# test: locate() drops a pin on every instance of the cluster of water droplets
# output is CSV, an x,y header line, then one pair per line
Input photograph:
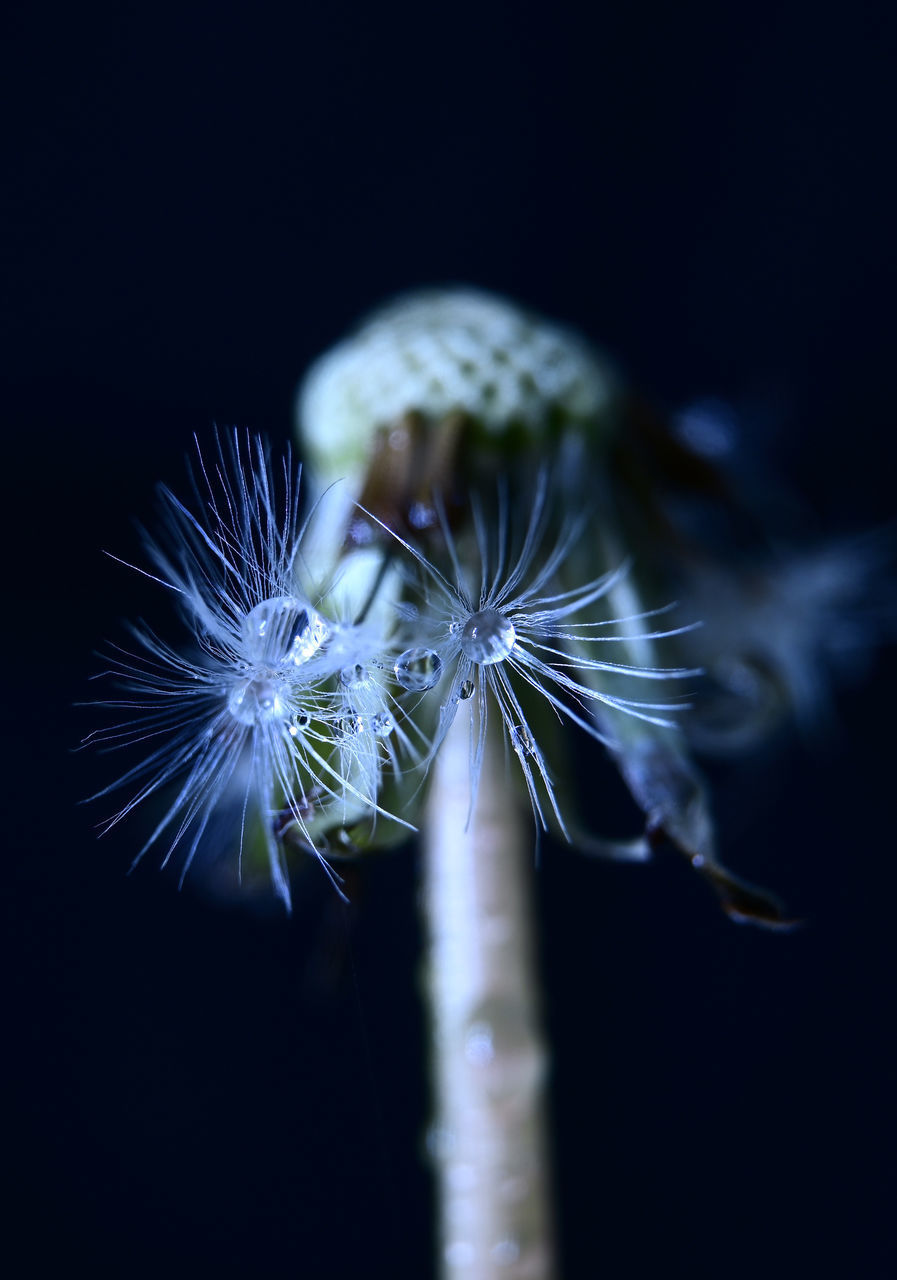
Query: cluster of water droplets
x,y
320,681
363,706
278,636
296,668
485,637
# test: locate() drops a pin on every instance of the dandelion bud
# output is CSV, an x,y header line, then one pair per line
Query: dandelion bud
x,y
445,352
435,392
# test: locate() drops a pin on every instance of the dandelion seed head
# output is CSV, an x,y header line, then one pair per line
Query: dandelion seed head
x,y
296,700
266,700
512,637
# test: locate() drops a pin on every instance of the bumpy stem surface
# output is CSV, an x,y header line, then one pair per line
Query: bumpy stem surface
x,y
489,1138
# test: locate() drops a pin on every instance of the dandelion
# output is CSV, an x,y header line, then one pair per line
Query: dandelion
x,y
518,612
253,720
325,667
500,629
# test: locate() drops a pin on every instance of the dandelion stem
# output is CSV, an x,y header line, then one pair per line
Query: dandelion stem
x,y
489,1138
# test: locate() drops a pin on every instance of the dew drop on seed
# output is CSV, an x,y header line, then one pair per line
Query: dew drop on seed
x,y
383,724
255,701
284,629
352,675
298,721
466,690
488,636
522,742
350,723
418,669
311,631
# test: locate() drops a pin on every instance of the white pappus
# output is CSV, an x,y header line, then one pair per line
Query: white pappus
x,y
252,716
500,628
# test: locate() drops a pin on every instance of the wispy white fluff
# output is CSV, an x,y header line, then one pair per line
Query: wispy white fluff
x,y
502,626
251,715
284,709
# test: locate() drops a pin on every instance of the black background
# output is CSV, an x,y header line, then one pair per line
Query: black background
x,y
199,204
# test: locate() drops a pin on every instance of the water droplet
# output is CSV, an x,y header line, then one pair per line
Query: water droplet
x,y
466,690
350,723
352,675
499,1040
522,741
418,669
310,634
488,636
383,724
298,721
284,629
257,700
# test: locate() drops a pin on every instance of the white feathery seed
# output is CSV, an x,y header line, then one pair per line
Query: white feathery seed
x,y
488,631
252,716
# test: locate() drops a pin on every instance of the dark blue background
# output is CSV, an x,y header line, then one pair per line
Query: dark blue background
x,y
197,205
